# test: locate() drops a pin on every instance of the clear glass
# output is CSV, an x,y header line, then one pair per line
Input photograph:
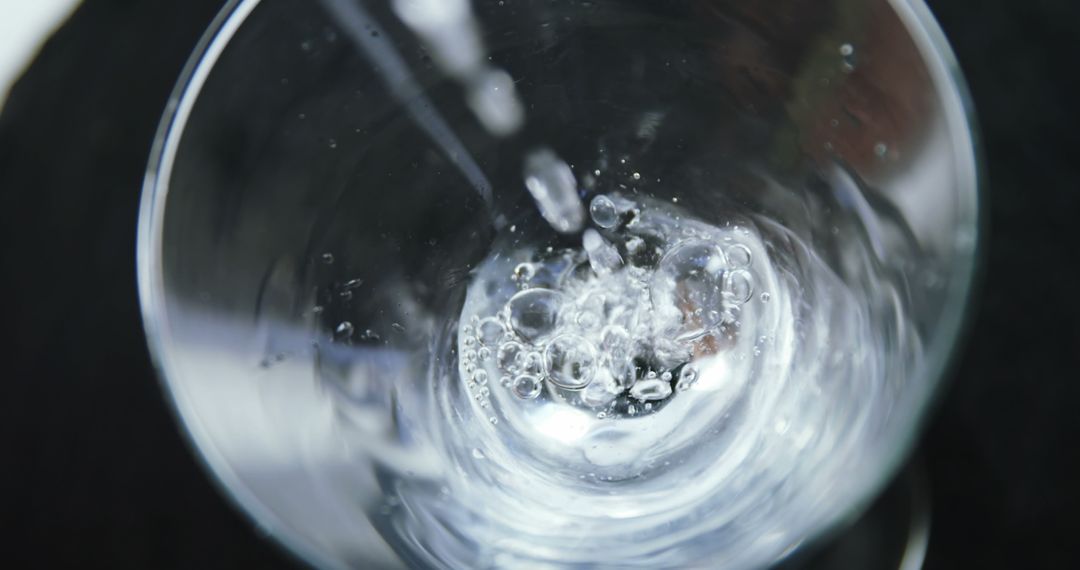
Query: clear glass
x,y
325,212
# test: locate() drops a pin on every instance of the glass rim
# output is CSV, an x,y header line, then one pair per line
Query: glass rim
x,y
957,110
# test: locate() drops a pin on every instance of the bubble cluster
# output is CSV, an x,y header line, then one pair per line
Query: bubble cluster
x,y
615,324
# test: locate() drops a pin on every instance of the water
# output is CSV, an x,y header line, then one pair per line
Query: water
x,y
657,392
654,389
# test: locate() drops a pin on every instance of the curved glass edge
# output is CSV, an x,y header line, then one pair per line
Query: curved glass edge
x,y
946,73
150,281
962,124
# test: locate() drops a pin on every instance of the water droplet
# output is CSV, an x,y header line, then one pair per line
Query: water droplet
x,y
469,341
491,331
527,387
533,313
344,331
739,284
552,185
492,97
493,420
666,376
765,296
603,212
480,377
327,258
637,176
604,258
881,150
739,256
570,361
847,54
398,327
484,353
469,355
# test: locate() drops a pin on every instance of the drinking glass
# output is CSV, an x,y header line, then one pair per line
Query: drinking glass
x,y
324,199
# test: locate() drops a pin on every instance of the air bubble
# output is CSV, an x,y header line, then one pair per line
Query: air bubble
x,y
689,277
510,356
739,284
491,331
533,363
650,390
480,377
765,296
603,212
739,256
533,313
527,387
687,377
523,273
570,361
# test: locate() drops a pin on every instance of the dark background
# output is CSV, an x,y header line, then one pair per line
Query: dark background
x,y
95,472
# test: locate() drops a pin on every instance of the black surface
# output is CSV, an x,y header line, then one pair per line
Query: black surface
x,y
95,472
